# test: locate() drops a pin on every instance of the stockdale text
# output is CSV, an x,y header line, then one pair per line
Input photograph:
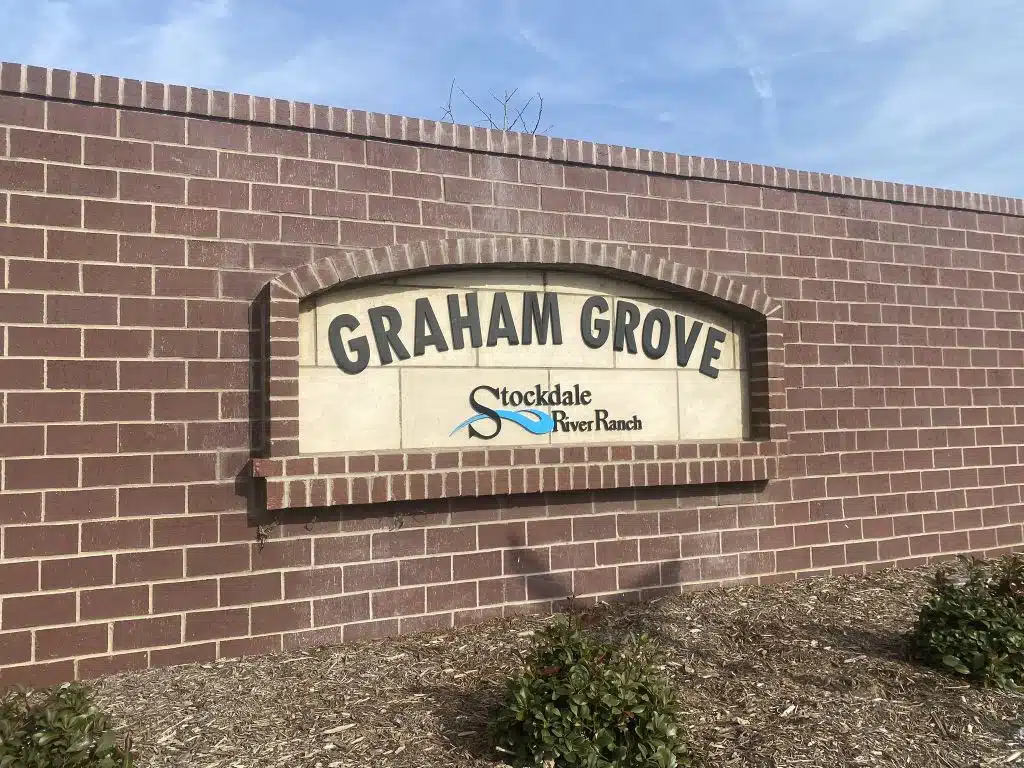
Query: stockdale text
x,y
534,420
539,321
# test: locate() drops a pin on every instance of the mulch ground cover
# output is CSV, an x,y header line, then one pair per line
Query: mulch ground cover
x,y
812,674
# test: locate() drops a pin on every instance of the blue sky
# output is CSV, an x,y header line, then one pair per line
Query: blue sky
x,y
917,91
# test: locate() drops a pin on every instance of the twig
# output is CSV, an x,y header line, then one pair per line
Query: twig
x,y
512,117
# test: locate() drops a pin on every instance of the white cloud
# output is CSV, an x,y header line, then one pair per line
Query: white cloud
x,y
57,32
188,41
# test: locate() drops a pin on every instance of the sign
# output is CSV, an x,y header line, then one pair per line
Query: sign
x,y
511,357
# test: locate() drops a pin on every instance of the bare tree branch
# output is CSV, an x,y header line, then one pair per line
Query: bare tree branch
x,y
511,115
446,109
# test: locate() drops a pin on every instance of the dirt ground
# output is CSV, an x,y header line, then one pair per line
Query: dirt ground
x,y
811,674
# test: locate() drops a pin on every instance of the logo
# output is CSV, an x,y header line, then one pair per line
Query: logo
x,y
505,407
533,420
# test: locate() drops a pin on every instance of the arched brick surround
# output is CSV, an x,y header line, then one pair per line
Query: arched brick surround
x,y
294,480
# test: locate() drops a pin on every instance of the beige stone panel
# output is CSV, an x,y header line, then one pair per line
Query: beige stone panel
x,y
712,409
340,413
307,333
726,361
589,284
358,301
649,395
571,353
436,400
482,278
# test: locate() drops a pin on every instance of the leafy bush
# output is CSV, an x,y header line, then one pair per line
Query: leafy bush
x,y
974,625
57,729
581,701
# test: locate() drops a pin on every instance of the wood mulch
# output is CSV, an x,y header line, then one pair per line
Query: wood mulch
x,y
811,674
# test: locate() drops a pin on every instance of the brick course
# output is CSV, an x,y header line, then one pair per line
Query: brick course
x,y
141,224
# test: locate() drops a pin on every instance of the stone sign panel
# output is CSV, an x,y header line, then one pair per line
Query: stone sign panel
x,y
491,357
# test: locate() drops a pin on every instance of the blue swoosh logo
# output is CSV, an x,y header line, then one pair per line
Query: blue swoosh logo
x,y
536,423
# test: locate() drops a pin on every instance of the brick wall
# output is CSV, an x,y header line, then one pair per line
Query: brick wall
x,y
138,223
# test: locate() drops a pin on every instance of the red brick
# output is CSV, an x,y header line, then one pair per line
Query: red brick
x,y
210,193
20,110
40,540
167,313
84,182
113,153
388,155
118,217
281,617
145,633
549,531
115,534
229,558
426,570
222,135
341,549
22,441
248,167
71,641
183,531
19,577
152,127
22,242
46,211
41,145
151,188
340,149
81,438
398,602
15,647
157,500
113,602
37,675
117,343
101,666
398,544
81,118
359,179
39,341
307,173
184,595
138,249
187,344
158,565
209,625
341,610
283,199
370,576
254,588
114,470
77,572
191,222
450,539
28,474
117,406
151,374
279,141
188,161
38,610
446,597
198,653
621,551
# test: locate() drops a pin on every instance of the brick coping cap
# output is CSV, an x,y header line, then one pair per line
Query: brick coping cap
x,y
22,79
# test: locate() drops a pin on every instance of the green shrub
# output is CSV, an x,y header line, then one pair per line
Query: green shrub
x,y
974,625
58,728
581,701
